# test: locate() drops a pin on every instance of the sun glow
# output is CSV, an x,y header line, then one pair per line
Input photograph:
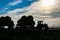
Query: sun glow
x,y
47,6
47,3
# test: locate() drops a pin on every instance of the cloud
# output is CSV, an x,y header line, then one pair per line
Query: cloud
x,y
55,14
14,3
49,15
13,13
29,0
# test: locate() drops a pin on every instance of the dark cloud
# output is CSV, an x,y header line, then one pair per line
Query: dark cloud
x,y
55,14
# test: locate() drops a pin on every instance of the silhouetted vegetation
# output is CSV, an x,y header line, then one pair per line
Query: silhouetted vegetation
x,y
26,22
22,22
41,26
6,21
25,30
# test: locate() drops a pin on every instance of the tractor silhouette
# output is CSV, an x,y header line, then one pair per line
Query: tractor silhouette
x,y
41,26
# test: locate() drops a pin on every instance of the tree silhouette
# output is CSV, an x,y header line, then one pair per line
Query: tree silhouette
x,y
6,21
22,22
40,25
25,22
46,26
2,22
30,21
9,22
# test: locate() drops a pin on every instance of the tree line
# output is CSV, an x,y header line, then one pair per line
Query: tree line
x,y
25,22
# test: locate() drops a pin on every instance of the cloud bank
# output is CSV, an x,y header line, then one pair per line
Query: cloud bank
x,y
14,3
50,15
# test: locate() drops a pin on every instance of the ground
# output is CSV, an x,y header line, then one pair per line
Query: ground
x,y
30,35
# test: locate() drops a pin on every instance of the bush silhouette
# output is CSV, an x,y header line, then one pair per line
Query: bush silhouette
x,y
30,21
9,22
2,22
24,22
40,25
6,21
46,26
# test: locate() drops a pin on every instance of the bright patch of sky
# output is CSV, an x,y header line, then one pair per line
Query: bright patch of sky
x,y
17,8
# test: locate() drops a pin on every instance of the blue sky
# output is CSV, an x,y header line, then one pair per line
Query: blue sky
x,y
6,5
17,8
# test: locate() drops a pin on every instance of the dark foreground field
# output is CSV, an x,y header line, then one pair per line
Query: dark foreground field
x,y
30,35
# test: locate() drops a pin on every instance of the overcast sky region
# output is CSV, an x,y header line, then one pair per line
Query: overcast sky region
x,y
46,10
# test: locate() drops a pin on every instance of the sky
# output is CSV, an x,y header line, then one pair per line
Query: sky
x,y
46,10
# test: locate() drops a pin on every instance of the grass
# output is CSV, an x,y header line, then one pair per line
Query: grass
x,y
30,35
